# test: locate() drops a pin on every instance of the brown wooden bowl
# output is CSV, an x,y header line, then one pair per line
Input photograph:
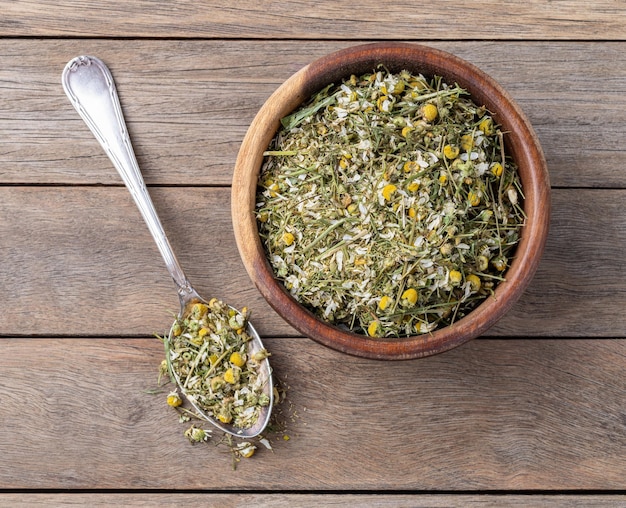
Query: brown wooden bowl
x,y
522,145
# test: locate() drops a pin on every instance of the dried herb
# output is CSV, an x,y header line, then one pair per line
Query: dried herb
x,y
388,204
208,350
238,449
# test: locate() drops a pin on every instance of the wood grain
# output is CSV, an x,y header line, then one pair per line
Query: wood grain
x,y
76,251
325,19
187,124
531,414
433,500
71,250
493,414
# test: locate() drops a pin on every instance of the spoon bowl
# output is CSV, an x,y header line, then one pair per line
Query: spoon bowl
x,y
90,87
187,301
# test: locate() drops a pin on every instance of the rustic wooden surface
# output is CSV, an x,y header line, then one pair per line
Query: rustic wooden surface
x,y
533,413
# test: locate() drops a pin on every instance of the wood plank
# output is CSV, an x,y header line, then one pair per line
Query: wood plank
x,y
75,251
493,414
187,125
325,19
577,291
312,500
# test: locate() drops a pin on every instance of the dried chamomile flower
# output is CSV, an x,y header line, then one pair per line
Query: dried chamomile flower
x,y
196,434
387,204
209,353
174,399
245,449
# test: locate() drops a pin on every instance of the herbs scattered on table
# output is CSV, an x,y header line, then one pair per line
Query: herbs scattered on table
x,y
388,204
201,432
208,351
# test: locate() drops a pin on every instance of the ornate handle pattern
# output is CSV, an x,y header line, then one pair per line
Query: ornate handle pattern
x,y
90,87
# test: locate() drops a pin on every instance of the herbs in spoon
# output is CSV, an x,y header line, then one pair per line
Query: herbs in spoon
x,y
388,204
208,351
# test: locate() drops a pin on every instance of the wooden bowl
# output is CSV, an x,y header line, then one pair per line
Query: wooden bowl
x,y
522,145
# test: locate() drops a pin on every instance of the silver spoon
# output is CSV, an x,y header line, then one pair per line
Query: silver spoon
x,y
90,87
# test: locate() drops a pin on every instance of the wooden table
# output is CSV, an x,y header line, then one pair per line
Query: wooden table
x,y
533,413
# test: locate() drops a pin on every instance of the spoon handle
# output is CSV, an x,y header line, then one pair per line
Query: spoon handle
x,y
90,87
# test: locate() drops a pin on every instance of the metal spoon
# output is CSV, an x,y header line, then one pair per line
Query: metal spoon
x,y
90,87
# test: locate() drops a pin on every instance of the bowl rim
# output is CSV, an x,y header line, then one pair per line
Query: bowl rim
x,y
522,144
